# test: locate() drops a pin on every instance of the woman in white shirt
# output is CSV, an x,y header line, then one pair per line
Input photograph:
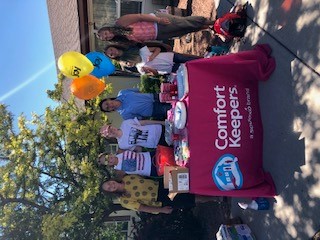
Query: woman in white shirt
x,y
134,134
148,60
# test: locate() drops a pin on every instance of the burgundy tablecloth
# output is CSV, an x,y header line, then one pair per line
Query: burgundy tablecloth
x,y
224,124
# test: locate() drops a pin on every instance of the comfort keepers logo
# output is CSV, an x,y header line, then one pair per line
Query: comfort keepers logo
x,y
226,173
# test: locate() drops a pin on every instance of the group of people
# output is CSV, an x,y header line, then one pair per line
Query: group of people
x,y
141,188
135,40
131,40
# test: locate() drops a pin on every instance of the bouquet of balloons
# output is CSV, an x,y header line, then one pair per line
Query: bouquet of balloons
x,y
85,70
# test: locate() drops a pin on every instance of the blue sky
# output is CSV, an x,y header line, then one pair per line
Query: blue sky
x,y
27,60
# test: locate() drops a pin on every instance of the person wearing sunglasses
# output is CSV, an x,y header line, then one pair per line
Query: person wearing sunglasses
x,y
130,162
135,134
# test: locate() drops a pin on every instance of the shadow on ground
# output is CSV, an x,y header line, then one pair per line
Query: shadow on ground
x,y
290,112
290,121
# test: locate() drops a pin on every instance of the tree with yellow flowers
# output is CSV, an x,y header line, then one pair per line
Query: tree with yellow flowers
x,y
49,184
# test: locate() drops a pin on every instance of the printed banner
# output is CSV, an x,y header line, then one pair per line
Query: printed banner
x,y
224,124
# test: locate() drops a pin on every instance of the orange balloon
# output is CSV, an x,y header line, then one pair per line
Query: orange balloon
x,y
87,87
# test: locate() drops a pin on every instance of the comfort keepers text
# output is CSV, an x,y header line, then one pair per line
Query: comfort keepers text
x,y
227,137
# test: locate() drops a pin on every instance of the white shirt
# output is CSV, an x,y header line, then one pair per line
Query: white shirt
x,y
133,134
163,63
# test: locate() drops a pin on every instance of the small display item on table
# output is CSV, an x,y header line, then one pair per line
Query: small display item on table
x,y
175,87
171,78
181,152
175,130
167,97
168,88
182,81
180,115
164,157
181,148
168,92
168,134
178,138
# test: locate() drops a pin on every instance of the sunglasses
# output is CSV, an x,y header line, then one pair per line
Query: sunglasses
x,y
105,160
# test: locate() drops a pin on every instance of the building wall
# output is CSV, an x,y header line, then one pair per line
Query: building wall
x,y
64,26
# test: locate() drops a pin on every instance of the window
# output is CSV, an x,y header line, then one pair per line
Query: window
x,y
113,148
121,225
129,6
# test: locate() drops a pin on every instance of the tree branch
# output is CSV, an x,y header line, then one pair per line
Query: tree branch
x,y
5,201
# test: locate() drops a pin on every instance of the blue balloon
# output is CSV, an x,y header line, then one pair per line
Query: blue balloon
x,y
102,64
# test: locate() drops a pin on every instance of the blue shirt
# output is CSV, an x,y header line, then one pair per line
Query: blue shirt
x,y
135,104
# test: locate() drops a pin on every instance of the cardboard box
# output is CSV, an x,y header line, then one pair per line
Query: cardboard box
x,y
167,175
179,180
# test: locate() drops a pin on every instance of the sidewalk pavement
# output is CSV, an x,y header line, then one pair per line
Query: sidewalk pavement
x,y
290,108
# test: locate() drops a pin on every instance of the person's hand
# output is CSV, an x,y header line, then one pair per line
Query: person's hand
x,y
164,21
149,70
166,210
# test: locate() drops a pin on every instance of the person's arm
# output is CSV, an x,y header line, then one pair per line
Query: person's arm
x,y
120,150
155,52
148,209
137,149
128,19
163,46
150,122
150,71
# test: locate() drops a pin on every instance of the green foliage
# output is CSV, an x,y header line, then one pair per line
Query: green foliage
x,y
116,64
49,185
150,84
57,93
112,232
55,224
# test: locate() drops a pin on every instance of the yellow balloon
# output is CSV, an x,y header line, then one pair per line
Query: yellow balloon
x,y
74,65
87,87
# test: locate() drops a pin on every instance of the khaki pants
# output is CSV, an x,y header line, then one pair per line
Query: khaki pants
x,y
179,26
